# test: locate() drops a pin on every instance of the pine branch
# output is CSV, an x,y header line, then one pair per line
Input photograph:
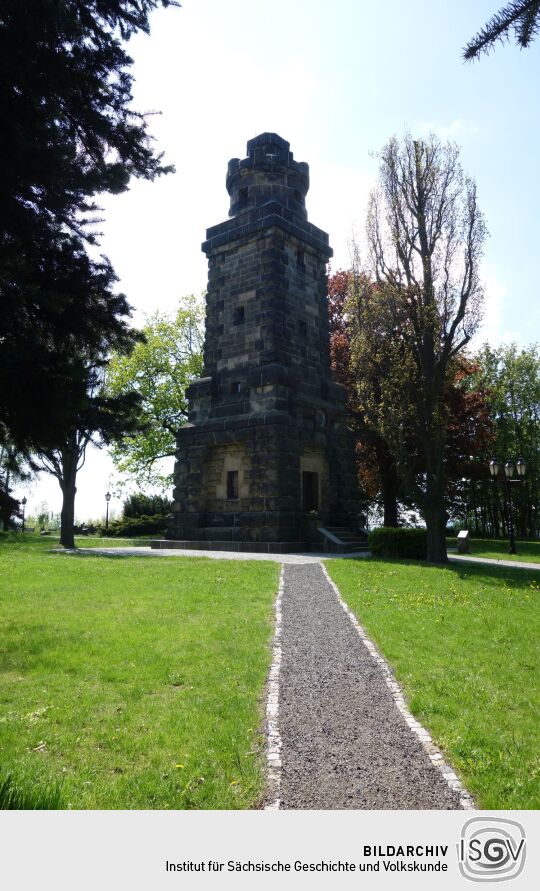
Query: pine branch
x,y
523,16
529,25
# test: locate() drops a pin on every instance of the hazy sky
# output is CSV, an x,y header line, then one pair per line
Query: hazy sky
x,y
335,80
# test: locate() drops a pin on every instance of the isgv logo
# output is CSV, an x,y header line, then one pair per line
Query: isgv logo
x,y
491,849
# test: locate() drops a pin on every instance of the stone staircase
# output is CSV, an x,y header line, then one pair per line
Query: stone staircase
x,y
343,540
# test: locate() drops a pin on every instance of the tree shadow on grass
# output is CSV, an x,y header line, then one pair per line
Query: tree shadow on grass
x,y
96,552
487,573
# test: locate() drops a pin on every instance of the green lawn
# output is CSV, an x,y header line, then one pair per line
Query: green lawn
x,y
94,541
464,642
497,549
133,682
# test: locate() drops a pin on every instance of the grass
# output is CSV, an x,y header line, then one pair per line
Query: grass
x,y
90,541
14,797
497,549
98,541
464,642
132,682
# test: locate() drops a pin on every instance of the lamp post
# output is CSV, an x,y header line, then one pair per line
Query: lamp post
x,y
107,499
24,502
507,481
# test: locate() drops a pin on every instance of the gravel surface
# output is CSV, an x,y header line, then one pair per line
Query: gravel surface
x,y
511,564
214,555
344,742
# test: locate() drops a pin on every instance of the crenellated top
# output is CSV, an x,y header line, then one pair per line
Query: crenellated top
x,y
269,173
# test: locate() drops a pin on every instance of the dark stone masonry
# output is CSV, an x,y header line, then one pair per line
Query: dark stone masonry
x,y
266,456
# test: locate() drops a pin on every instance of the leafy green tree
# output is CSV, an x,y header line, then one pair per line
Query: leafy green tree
x,y
88,414
13,469
101,420
362,360
425,234
511,378
159,371
140,505
43,516
69,133
9,508
348,291
520,16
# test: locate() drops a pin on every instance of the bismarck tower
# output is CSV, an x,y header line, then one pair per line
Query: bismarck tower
x,y
266,457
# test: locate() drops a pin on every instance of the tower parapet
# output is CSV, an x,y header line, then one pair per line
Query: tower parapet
x,y
268,173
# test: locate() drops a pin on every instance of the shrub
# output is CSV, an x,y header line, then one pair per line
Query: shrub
x,y
133,527
389,542
140,505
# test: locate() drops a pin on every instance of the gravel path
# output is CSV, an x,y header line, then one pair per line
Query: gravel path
x,y
511,564
344,742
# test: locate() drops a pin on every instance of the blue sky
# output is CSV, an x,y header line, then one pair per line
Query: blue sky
x,y
336,80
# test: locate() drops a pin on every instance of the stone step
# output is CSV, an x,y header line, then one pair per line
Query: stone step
x,y
345,534
348,540
251,547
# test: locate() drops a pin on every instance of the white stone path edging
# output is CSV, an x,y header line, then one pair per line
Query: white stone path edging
x,y
435,755
273,779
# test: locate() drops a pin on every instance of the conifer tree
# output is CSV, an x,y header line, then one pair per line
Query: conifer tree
x,y
68,134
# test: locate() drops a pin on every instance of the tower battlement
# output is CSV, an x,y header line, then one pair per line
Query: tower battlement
x,y
268,173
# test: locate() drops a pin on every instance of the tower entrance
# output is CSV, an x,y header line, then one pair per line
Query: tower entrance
x,y
310,490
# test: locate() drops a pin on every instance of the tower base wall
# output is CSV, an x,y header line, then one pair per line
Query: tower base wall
x,y
272,456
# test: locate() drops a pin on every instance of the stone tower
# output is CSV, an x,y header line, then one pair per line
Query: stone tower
x,y
266,457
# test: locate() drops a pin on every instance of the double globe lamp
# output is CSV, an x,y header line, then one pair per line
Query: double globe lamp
x,y
520,468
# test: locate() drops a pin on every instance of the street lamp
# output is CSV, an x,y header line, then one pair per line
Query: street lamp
x,y
24,502
107,499
507,481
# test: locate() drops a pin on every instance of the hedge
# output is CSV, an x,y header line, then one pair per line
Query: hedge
x,y
386,541
141,505
133,527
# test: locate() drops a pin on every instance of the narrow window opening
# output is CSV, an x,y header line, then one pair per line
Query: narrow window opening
x,y
310,490
238,315
235,387
302,328
242,196
232,484
300,259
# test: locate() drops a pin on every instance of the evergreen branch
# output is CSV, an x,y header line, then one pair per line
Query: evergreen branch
x,y
521,15
529,25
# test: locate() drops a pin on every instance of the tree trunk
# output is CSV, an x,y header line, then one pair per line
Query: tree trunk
x,y
434,511
69,489
6,514
389,485
435,517
390,504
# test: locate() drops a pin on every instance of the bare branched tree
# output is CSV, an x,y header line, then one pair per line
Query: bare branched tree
x,y
425,234
520,16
